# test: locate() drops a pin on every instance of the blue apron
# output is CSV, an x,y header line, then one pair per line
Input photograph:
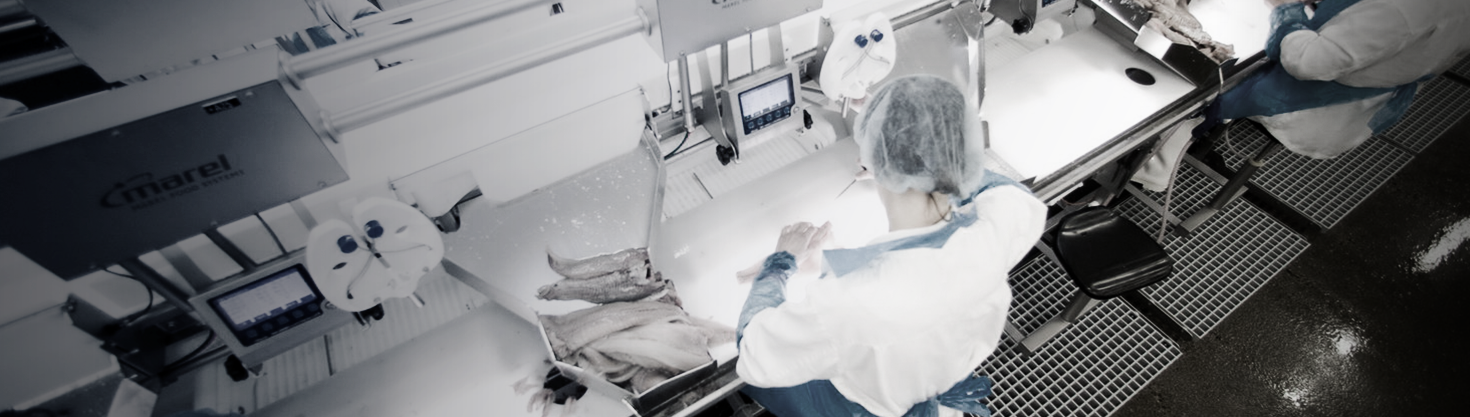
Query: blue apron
x,y
1272,90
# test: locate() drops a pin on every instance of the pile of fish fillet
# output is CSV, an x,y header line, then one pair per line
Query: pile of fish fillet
x,y
1173,19
639,335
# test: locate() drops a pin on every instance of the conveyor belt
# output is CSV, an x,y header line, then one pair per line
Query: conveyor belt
x,y
1223,262
1091,369
1324,190
1439,104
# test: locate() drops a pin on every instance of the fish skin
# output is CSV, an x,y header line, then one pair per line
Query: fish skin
x,y
572,331
647,378
629,285
598,265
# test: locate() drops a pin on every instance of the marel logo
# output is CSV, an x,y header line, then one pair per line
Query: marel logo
x,y
144,190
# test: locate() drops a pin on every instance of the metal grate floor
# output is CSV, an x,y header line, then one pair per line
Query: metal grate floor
x,y
1223,262
1091,369
1438,105
1463,68
1323,190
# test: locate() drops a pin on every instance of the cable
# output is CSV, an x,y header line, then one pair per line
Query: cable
x,y
207,341
268,229
680,146
135,316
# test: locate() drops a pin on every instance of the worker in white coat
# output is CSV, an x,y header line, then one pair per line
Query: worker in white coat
x,y
1345,73
898,327
1349,71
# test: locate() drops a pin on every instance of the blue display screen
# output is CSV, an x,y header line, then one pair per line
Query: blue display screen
x,y
268,306
766,104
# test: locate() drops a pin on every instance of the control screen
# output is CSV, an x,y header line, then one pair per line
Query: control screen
x,y
766,104
268,306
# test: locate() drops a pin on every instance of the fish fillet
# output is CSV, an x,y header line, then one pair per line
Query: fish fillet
x,y
572,331
599,265
627,285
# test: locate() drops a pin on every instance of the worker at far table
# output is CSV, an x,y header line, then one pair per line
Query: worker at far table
x,y
1349,71
898,327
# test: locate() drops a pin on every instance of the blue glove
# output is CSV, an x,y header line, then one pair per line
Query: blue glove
x,y
768,290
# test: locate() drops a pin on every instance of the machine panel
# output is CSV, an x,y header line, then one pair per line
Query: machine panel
x,y
92,201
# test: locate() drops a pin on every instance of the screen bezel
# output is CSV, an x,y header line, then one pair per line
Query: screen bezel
x,y
790,93
214,302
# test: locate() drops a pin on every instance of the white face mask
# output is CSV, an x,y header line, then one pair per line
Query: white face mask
x,y
861,54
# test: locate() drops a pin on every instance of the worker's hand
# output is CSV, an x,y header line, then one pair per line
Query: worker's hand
x,y
803,241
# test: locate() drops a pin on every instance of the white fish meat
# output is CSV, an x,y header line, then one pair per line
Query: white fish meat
x,y
599,265
672,346
572,331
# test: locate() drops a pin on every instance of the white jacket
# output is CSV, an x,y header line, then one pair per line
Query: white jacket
x,y
909,325
1377,44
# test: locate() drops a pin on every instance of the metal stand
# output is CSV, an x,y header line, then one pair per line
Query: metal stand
x,y
1232,189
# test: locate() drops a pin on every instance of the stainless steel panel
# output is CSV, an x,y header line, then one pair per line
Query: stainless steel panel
x,y
124,38
114,194
688,26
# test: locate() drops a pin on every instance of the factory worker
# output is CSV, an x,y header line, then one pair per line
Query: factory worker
x,y
1336,78
898,327
1347,72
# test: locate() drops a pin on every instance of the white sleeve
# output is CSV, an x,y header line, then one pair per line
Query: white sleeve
x,y
785,346
1362,35
1013,217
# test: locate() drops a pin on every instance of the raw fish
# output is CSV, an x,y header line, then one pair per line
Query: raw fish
x,y
625,285
599,265
572,331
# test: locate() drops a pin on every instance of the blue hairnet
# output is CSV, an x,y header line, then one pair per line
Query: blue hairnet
x,y
918,134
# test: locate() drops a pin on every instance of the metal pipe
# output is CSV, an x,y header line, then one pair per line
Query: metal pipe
x,y
146,275
360,116
684,94
325,60
14,26
37,65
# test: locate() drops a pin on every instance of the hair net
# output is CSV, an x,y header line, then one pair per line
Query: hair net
x,y
918,134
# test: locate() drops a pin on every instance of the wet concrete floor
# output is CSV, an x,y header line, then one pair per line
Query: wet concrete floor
x,y
1360,324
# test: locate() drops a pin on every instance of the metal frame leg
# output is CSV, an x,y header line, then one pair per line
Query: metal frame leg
x,y
1080,304
1230,191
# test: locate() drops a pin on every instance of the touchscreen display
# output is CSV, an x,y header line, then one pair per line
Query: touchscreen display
x,y
766,98
265,299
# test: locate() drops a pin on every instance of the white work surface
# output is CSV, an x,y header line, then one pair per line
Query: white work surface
x,y
1052,106
1056,104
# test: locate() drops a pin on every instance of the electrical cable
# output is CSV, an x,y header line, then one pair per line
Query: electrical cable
x,y
135,316
207,341
272,231
677,148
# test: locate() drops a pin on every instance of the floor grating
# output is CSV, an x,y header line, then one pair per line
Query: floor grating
x,y
1091,369
1463,68
1223,262
1323,190
1438,105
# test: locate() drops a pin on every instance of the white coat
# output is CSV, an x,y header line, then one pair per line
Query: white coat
x,y
1376,44
907,326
